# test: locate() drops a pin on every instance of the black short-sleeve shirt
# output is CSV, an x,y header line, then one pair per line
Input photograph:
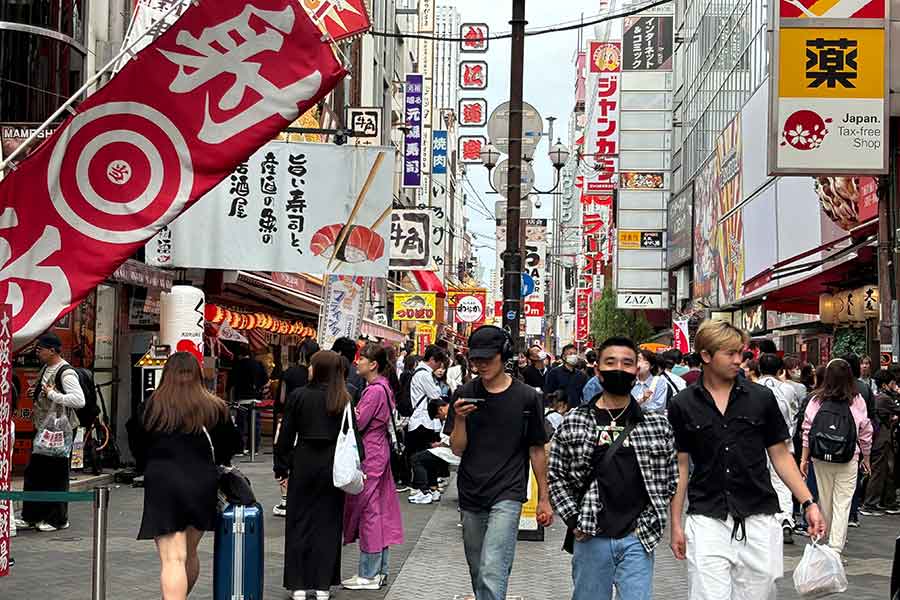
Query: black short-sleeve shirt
x,y
731,474
500,433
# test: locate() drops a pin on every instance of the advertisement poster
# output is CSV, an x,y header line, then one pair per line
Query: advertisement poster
x,y
535,264
848,201
412,145
410,239
706,223
837,9
680,225
415,306
680,335
730,245
279,211
647,44
343,301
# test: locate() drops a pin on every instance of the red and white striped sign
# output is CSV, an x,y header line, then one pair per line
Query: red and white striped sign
x,y
217,85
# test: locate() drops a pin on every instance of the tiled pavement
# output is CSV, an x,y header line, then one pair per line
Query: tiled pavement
x,y
430,565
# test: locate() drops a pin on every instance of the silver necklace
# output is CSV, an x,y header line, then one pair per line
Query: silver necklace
x,y
612,418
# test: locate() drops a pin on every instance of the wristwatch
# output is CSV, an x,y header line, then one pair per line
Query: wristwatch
x,y
807,504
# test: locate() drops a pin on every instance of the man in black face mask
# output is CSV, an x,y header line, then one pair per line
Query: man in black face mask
x,y
613,470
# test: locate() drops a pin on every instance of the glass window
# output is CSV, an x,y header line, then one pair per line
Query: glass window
x,y
64,16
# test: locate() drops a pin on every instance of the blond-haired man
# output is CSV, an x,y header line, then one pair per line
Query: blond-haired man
x,y
726,426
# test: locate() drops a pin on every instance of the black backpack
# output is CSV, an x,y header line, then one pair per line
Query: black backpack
x,y
405,407
833,437
91,408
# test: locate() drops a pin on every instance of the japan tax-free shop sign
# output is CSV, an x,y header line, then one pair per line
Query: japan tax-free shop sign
x,y
829,109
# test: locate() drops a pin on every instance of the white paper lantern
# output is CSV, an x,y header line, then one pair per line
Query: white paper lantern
x,y
827,309
181,320
870,301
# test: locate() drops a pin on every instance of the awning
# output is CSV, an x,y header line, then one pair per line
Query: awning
x,y
269,296
136,273
382,331
428,281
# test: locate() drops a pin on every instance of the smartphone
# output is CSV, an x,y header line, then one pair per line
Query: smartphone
x,y
472,401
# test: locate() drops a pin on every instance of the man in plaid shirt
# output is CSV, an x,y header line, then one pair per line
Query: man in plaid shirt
x,y
620,518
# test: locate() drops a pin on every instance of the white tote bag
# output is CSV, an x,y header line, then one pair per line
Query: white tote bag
x,y
347,472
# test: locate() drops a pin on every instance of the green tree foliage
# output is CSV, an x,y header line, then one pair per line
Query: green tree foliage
x,y
607,320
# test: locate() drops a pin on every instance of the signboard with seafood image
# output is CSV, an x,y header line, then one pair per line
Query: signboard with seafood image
x,y
281,211
417,306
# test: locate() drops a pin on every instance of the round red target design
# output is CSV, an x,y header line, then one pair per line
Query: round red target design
x,y
119,172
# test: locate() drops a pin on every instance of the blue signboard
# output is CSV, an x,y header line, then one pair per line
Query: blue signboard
x,y
439,153
527,285
412,149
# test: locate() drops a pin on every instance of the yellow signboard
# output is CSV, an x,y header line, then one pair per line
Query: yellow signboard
x,y
629,240
417,306
831,63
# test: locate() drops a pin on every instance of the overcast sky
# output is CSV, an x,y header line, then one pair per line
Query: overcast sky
x,y
549,86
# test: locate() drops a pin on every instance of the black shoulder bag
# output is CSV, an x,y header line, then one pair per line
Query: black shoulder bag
x,y
596,468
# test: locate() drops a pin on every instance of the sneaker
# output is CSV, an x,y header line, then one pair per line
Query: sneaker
x,y
47,527
420,498
20,524
871,511
280,510
892,510
382,580
788,534
298,595
13,533
361,583
403,488
853,523
435,495
320,595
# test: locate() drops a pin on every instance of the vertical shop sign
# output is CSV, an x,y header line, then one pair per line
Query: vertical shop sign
x,y
680,339
439,153
829,112
469,148
365,123
647,44
472,112
536,258
602,139
342,308
475,37
6,437
426,68
473,75
412,146
582,314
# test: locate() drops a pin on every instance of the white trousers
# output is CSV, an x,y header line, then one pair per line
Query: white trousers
x,y
837,484
722,568
785,497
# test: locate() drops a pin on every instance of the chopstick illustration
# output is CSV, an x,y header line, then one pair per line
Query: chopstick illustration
x,y
342,237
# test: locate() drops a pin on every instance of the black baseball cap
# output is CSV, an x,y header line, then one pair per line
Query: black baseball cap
x,y
486,342
50,341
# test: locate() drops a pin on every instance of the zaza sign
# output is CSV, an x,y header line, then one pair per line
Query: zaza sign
x,y
639,300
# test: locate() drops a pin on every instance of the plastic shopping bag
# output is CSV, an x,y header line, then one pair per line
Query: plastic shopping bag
x,y
820,572
55,436
347,472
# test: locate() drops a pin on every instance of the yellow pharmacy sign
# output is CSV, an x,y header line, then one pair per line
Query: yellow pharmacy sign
x,y
831,63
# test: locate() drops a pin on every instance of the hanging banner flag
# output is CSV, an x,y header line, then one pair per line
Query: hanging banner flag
x,y
680,337
148,144
269,215
343,301
339,19
412,146
150,20
6,433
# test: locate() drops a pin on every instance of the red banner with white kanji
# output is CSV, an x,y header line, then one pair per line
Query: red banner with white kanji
x,y
219,83
6,433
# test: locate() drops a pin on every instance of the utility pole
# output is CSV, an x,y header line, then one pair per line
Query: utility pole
x,y
512,258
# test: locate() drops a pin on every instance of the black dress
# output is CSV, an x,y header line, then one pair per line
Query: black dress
x,y
315,508
181,478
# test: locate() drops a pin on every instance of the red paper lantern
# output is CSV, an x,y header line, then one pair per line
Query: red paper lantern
x,y
234,320
251,321
209,312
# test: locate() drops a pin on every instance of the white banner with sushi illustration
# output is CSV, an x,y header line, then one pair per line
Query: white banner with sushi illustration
x,y
292,207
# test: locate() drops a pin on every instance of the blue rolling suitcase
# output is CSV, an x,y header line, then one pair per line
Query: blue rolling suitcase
x,y
239,554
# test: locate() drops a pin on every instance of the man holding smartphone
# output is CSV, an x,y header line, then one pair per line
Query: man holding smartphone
x,y
496,426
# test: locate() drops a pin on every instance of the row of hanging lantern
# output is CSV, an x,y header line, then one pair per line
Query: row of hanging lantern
x,y
850,306
262,321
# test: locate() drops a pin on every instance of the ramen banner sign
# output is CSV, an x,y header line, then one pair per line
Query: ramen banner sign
x,y
282,210
417,306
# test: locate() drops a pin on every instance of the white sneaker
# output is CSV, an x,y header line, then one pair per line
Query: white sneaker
x,y
20,524
382,580
435,496
280,510
47,528
420,498
299,595
403,488
361,583
320,595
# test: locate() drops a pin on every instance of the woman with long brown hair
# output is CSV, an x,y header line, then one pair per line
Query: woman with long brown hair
x,y
304,454
836,479
186,431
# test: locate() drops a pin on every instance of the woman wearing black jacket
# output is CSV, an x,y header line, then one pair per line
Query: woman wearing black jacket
x,y
180,436
304,455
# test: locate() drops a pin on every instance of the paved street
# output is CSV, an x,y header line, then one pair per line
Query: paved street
x,y
430,565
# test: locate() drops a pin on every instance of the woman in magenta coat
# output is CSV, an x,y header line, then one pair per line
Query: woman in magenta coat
x,y
373,517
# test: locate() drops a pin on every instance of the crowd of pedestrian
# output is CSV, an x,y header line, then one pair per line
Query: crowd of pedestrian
x,y
735,451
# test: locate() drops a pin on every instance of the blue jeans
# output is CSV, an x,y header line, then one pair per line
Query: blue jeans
x,y
813,489
373,564
599,563
489,539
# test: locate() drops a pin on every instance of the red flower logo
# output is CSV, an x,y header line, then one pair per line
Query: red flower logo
x,y
804,130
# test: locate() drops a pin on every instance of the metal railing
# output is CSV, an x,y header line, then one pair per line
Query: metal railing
x,y
100,498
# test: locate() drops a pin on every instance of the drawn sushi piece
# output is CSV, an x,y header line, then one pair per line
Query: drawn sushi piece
x,y
360,243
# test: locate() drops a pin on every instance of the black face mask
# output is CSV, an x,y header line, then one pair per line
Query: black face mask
x,y
617,382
